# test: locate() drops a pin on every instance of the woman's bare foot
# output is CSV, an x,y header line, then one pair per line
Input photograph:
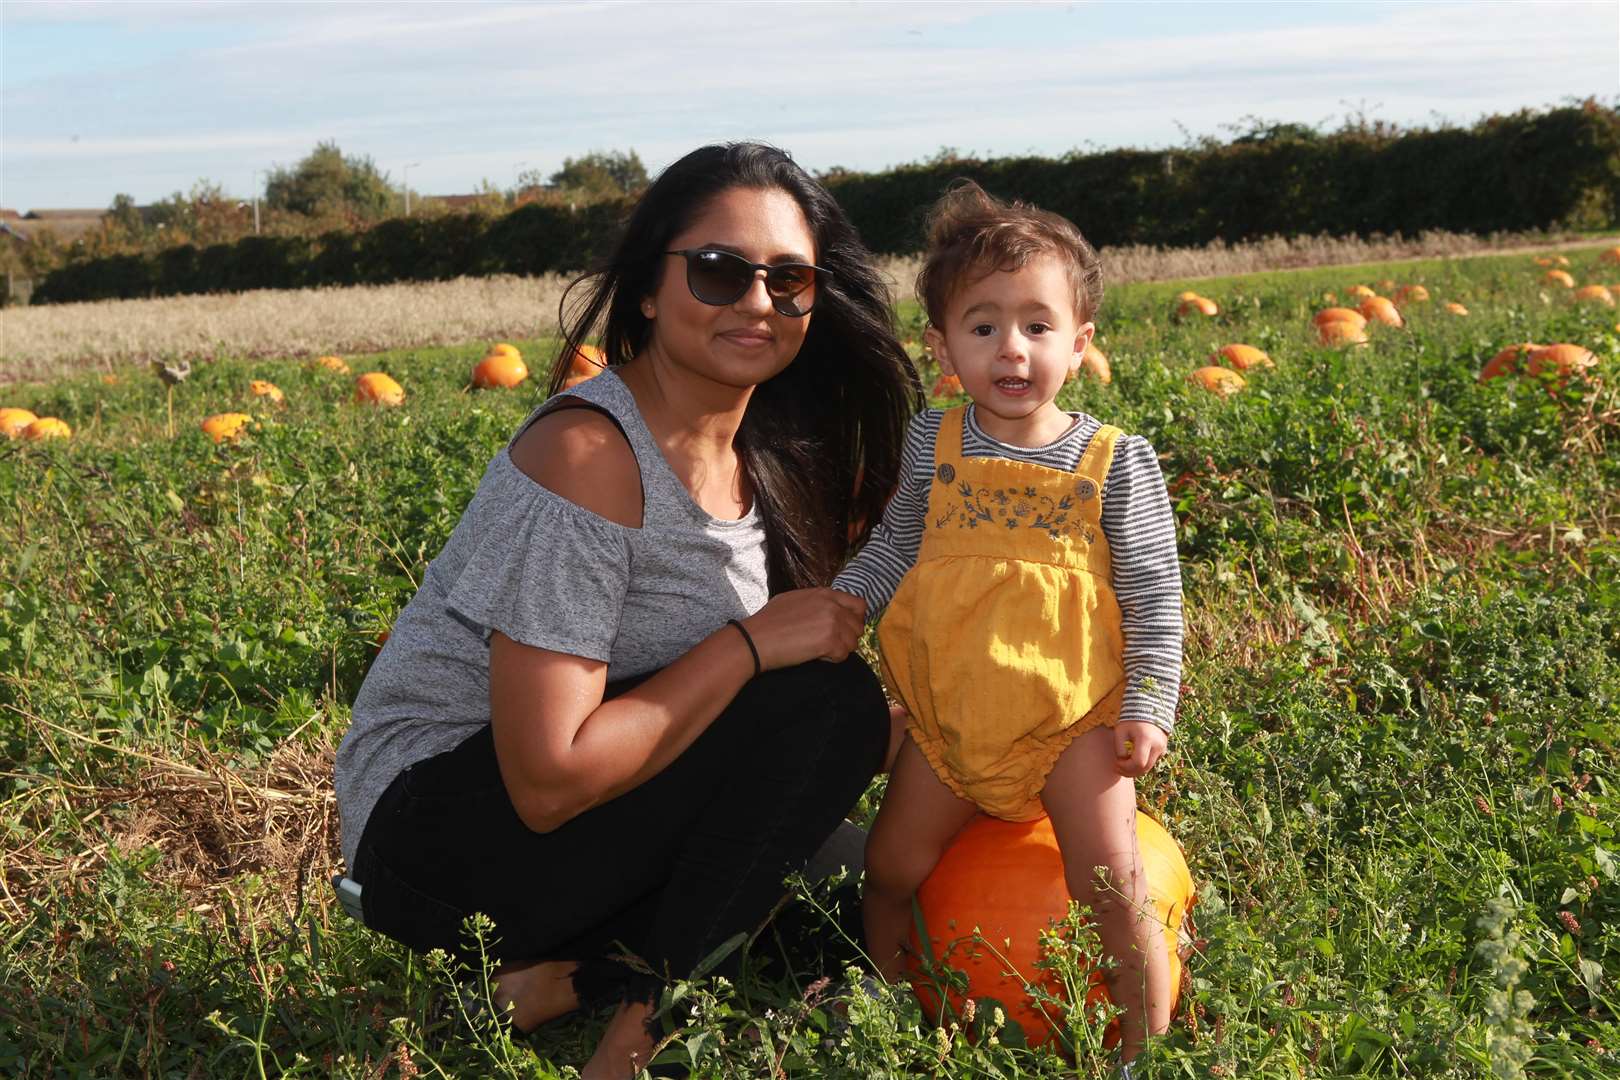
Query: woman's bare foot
x,y
535,994
625,1048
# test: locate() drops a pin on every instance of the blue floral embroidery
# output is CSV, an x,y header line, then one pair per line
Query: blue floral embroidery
x,y
1016,508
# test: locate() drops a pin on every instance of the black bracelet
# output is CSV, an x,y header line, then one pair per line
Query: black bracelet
x,y
748,638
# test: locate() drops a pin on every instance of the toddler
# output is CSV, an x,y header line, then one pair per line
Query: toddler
x,y
1028,565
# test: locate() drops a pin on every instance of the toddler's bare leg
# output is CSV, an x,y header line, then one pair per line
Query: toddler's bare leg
x,y
916,822
1093,811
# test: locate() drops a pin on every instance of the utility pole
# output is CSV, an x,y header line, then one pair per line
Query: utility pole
x,y
408,168
517,174
256,174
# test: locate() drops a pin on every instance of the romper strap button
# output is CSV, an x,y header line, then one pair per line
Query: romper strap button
x,y
947,473
1086,489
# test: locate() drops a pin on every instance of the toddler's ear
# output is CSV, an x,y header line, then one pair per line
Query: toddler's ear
x,y
936,344
1082,338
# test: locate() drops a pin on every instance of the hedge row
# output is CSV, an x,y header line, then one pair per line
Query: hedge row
x,y
532,239
1526,171
1507,173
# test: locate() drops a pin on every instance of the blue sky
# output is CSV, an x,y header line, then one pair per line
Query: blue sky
x,y
147,98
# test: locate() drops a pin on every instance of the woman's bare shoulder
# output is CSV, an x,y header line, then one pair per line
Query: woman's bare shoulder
x,y
580,453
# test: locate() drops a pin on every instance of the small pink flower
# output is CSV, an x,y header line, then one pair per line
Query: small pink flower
x,y
1484,807
1558,802
1570,922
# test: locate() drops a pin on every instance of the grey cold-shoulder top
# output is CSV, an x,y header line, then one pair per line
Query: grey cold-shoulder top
x,y
548,573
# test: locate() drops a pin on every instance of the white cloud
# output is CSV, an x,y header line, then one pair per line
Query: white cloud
x,y
469,90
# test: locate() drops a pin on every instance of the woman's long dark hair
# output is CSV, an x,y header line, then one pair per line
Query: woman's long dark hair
x,y
821,440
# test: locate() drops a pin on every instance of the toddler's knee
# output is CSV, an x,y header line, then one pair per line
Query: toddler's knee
x,y
894,871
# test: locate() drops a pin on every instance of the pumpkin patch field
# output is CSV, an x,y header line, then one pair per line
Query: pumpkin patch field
x,y
1394,777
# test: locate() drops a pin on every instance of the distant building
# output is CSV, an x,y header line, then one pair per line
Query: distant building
x,y
68,225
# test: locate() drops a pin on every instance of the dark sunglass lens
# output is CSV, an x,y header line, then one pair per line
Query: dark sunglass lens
x,y
789,280
717,277
792,288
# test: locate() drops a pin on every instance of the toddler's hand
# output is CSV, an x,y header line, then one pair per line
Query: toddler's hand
x,y
1138,746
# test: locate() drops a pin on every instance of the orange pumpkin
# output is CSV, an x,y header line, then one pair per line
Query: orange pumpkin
x,y
331,363
1411,294
1197,305
1595,294
1381,309
1506,362
47,427
1185,295
1005,880
502,348
1241,357
1340,314
1456,308
1361,292
1095,363
1342,332
14,421
1559,277
587,360
1566,359
261,388
228,425
499,370
377,388
946,386
1219,380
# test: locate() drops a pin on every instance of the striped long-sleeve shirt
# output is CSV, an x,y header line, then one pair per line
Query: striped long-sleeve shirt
x,y
1136,519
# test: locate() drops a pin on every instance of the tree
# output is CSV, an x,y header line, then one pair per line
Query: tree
x,y
599,174
328,184
208,214
125,216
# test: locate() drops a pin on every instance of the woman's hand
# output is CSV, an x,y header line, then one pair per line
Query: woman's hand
x,y
806,624
1138,746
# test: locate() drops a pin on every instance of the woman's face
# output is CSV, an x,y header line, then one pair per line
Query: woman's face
x,y
746,342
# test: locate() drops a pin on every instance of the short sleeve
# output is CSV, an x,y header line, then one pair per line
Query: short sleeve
x,y
542,571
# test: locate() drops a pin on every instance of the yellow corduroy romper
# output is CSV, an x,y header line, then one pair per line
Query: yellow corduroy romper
x,y
1004,641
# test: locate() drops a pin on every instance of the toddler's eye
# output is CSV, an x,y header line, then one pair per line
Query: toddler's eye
x,y
983,330
1038,328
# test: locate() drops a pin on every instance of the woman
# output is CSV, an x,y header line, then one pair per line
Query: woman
x,y
622,705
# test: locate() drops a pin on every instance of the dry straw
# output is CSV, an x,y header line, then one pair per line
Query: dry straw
x,y
50,340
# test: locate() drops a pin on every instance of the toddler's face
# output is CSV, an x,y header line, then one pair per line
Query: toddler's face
x,y
1013,338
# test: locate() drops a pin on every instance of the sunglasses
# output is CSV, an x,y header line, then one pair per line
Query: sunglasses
x,y
720,278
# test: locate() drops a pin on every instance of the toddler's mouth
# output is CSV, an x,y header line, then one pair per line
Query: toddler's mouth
x,y
1013,384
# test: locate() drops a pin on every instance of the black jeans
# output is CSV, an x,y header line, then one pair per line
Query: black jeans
x,y
670,870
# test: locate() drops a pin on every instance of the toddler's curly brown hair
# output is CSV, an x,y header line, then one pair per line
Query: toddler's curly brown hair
x,y
972,234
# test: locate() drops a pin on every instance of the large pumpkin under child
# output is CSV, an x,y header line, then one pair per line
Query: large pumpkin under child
x,y
997,887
